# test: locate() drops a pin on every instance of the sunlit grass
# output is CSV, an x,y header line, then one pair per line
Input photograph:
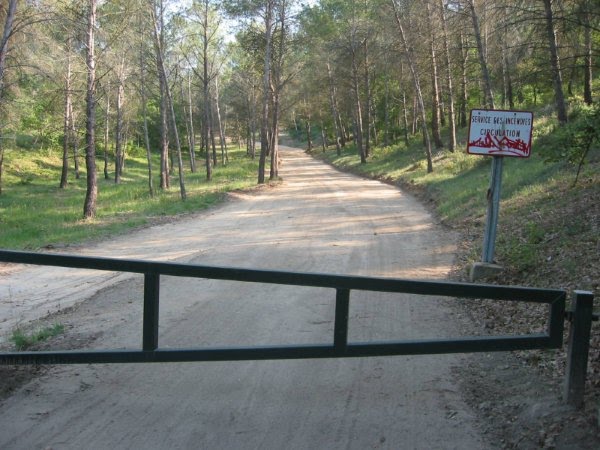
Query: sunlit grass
x,y
459,181
23,340
36,213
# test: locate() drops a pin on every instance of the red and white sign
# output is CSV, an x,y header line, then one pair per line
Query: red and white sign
x,y
500,133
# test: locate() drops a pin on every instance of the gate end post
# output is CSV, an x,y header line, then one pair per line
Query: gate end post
x,y
578,347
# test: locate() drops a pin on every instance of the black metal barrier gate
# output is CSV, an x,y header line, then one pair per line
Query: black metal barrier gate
x,y
339,347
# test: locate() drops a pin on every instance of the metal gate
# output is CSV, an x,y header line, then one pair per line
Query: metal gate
x,y
337,347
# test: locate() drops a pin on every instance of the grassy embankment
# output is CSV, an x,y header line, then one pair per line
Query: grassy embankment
x,y
548,228
36,213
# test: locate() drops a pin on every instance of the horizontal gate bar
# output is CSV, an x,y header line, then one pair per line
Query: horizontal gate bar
x,y
375,284
371,349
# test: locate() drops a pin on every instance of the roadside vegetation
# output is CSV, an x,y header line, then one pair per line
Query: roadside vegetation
x,y
36,213
24,340
549,215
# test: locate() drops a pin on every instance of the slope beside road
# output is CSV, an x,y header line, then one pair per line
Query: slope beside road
x,y
317,220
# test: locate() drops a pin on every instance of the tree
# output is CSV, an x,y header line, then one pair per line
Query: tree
x,y
586,21
279,80
68,118
449,82
205,23
89,208
435,90
264,130
158,22
144,102
7,33
417,85
559,97
485,73
168,100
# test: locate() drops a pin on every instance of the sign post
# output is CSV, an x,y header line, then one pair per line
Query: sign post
x,y
497,133
493,210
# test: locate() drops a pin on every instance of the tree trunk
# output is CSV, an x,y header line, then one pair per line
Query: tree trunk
x,y
186,121
417,85
169,98
485,74
178,143
67,120
358,134
207,125
274,170
368,101
415,115
187,111
451,114
191,134
507,94
89,207
375,136
559,97
249,131
386,134
464,99
405,117
213,143
219,122
277,86
11,11
253,123
75,137
334,113
145,116
106,131
264,130
308,134
435,89
588,55
119,125
163,127
343,128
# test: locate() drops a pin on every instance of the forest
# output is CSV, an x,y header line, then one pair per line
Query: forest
x,y
177,81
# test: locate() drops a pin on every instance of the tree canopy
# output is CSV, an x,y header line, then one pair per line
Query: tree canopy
x,y
186,77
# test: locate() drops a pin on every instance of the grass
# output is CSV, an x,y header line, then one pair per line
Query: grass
x,y
35,213
23,341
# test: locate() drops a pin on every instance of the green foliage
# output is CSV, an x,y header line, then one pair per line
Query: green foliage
x,y
23,340
575,141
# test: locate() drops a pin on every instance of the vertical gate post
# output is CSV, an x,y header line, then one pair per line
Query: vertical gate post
x,y
342,309
151,299
578,347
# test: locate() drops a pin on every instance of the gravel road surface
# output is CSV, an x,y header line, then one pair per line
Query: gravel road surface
x,y
317,220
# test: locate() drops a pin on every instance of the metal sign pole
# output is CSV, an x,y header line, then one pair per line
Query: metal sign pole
x,y
493,198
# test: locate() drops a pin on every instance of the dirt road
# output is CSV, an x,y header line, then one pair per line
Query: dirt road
x,y
318,220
